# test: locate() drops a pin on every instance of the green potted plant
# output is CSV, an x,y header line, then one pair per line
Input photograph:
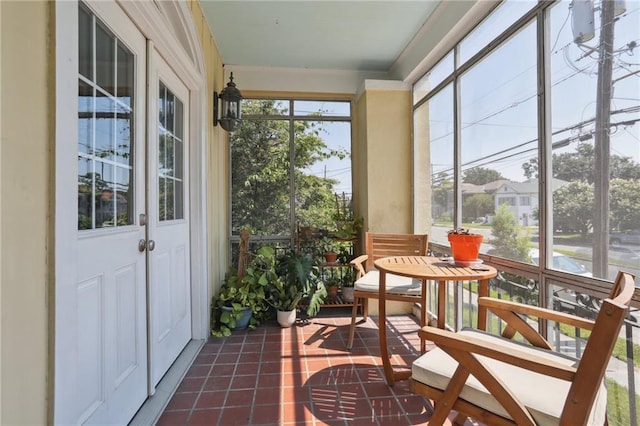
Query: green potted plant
x,y
297,283
347,223
241,301
346,284
332,281
465,245
329,248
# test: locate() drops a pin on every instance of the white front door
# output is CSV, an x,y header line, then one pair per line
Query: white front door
x,y
169,273
123,310
110,338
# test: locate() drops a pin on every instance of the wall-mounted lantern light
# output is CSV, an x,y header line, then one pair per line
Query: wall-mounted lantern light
x,y
230,107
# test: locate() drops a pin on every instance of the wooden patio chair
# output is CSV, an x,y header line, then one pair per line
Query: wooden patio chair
x,y
498,381
378,245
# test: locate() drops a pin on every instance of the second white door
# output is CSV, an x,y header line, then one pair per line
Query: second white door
x,y
168,230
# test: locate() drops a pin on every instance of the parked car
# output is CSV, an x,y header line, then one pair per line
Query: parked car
x,y
631,236
626,253
562,263
565,299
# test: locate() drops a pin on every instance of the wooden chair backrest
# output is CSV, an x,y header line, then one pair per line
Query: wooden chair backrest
x,y
597,353
385,245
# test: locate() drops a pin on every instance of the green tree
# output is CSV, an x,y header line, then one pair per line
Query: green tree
x,y
578,165
508,239
261,177
573,207
481,176
441,188
625,203
478,205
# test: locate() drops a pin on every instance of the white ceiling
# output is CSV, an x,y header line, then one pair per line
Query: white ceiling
x,y
351,35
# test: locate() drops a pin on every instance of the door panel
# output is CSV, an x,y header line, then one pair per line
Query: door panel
x,y
109,339
169,273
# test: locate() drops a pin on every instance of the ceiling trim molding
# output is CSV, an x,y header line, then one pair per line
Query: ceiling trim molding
x,y
278,79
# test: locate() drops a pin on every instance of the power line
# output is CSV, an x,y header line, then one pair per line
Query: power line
x,y
555,145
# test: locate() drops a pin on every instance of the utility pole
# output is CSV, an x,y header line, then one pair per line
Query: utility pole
x,y
601,142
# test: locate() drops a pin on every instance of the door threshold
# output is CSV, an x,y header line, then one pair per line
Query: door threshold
x,y
154,406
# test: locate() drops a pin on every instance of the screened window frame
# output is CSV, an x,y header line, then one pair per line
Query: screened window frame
x,y
539,15
291,117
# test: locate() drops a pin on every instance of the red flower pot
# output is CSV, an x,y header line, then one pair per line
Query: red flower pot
x,y
465,248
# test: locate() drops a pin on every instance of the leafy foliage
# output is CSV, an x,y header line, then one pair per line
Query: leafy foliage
x,y
507,239
441,186
298,281
478,205
573,207
578,165
261,172
625,203
481,176
250,292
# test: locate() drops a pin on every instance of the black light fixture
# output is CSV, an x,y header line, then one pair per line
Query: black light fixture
x,y
230,107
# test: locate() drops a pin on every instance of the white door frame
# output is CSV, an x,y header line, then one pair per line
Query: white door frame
x,y
181,47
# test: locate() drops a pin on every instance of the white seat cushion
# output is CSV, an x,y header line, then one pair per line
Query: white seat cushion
x,y
395,284
543,396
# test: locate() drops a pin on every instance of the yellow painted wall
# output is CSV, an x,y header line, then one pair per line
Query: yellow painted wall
x,y
218,155
384,173
26,144
422,177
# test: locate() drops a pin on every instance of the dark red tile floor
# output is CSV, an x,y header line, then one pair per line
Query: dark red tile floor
x,y
301,375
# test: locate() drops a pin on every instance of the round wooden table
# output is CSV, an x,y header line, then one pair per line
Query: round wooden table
x,y
426,268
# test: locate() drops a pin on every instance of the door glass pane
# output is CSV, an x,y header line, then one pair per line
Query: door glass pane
x,y
124,193
162,198
85,118
124,91
123,135
105,128
179,125
85,193
162,95
105,194
169,102
105,59
170,155
85,43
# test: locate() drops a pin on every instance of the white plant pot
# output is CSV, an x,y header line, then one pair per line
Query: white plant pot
x,y
286,318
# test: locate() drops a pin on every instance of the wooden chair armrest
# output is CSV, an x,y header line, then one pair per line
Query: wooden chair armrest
x,y
358,263
498,305
450,341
